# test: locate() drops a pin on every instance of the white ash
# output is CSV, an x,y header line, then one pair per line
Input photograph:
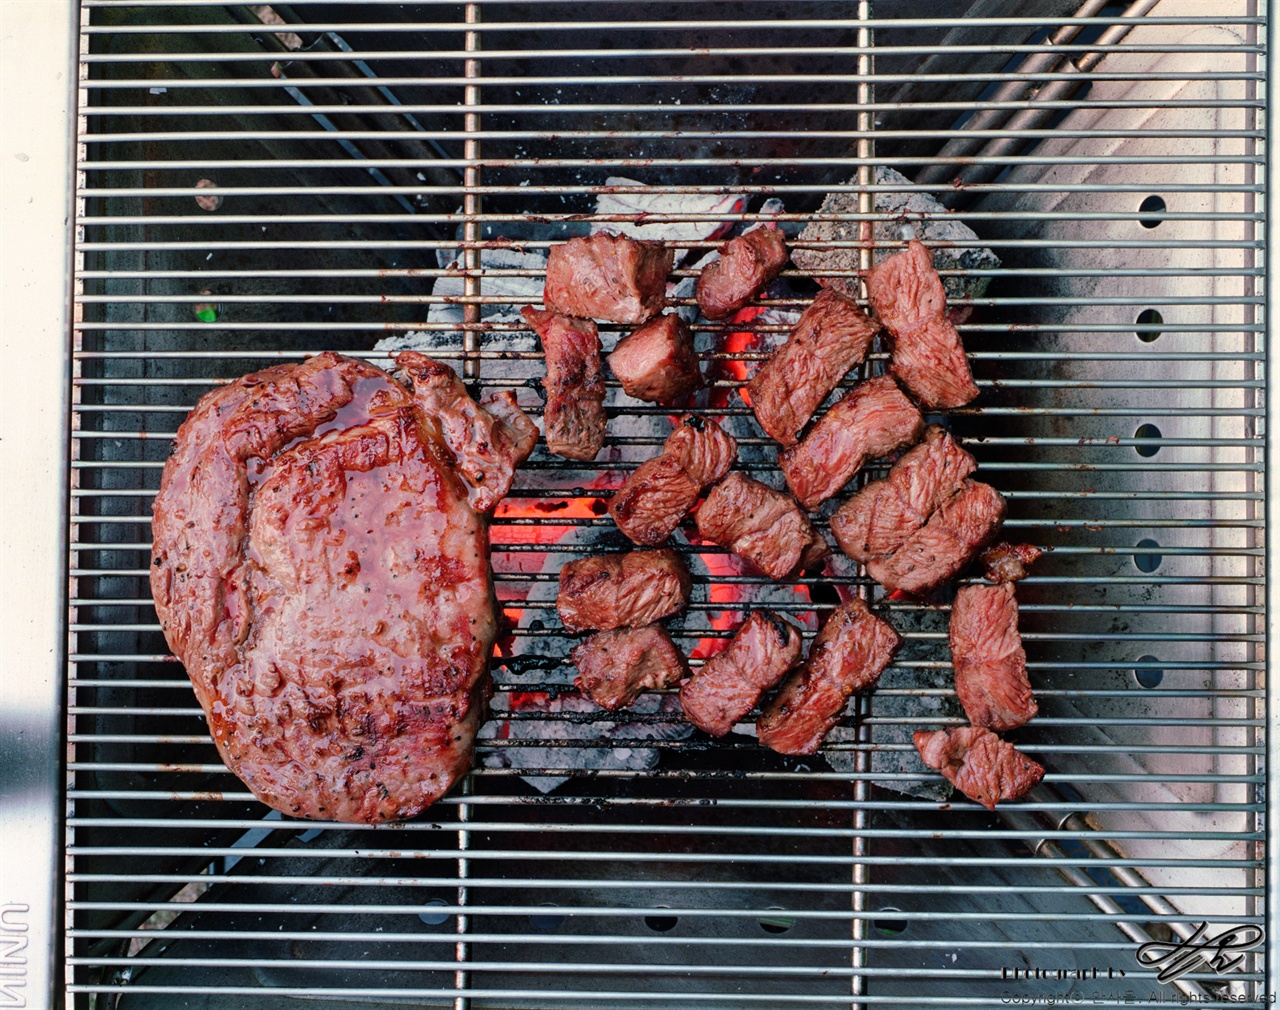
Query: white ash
x,y
640,201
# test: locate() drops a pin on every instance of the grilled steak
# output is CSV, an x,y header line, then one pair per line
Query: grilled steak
x,y
762,525
609,277
906,295
849,654
573,419
615,666
657,362
661,491
878,519
872,419
746,266
488,440
831,337
987,655
1004,562
961,527
622,590
729,684
337,622
978,763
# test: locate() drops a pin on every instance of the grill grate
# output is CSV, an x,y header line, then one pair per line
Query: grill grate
x,y
1113,158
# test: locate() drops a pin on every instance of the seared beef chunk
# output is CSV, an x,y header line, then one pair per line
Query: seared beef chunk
x,y
878,519
574,415
987,655
906,295
609,277
337,625
657,362
978,763
650,505
729,684
831,337
1004,562
849,654
622,590
488,439
961,527
762,525
872,419
745,267
615,666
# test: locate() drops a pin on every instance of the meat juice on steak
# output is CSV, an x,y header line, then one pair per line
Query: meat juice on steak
x,y
573,418
727,686
907,296
880,518
762,525
336,623
987,656
851,651
873,419
657,362
614,667
978,763
747,264
610,591
831,337
1005,562
661,491
607,277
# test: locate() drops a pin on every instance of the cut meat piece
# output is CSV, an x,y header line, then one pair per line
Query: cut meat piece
x,y
873,419
622,590
961,527
661,491
488,439
573,418
988,658
337,624
883,515
1004,562
746,265
608,277
762,525
657,362
730,683
851,651
831,337
614,667
906,295
978,763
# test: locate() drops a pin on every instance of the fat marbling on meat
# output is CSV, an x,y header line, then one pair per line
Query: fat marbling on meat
x,y
614,667
608,591
978,763
573,418
657,362
762,525
607,277
987,656
1004,562
746,266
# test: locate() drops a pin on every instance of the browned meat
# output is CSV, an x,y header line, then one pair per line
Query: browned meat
x,y
849,654
746,265
661,491
336,624
615,666
729,684
872,419
906,295
878,519
609,277
574,415
488,440
1004,562
961,527
831,337
988,659
622,590
762,525
978,763
657,362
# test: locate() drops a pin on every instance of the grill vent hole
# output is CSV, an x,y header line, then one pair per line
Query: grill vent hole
x,y
547,921
1147,562
776,923
1149,431
890,926
1147,676
435,918
1151,205
1149,317
661,923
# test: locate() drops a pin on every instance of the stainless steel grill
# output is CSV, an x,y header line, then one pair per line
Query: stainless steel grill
x,y
1113,157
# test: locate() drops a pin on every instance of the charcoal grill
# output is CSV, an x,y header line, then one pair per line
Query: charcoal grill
x,y
1112,156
